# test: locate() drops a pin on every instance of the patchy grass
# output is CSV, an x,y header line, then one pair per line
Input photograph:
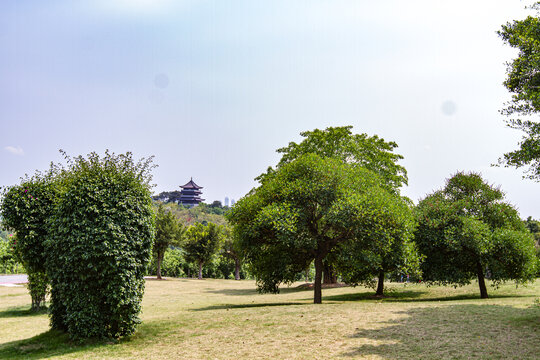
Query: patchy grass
x,y
226,319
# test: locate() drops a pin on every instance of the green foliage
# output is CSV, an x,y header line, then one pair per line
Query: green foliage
x,y
168,232
99,244
38,285
201,213
466,228
25,209
202,242
307,209
9,264
370,152
523,81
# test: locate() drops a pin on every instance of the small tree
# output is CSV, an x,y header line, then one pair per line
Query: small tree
x,y
25,209
231,248
467,229
202,242
169,231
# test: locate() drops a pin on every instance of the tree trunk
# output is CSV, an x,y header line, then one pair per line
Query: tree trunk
x,y
329,276
236,269
307,275
158,269
317,297
200,270
481,281
380,285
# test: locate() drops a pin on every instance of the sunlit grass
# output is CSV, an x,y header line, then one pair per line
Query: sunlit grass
x,y
227,319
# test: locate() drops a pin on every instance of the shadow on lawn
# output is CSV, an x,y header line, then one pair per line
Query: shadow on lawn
x,y
48,344
245,306
21,311
412,296
251,292
455,331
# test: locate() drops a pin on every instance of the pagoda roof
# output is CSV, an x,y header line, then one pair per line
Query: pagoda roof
x,y
191,185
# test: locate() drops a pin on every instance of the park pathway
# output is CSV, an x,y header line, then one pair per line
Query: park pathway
x,y
13,280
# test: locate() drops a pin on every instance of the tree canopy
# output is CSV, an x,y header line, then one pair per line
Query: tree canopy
x,y
466,230
202,242
306,209
523,81
361,150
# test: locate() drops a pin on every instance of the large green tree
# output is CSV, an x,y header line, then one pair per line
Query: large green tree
x,y
523,81
466,229
202,242
305,210
169,232
377,155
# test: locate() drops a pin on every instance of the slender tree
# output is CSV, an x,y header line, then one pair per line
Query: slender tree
x,y
169,232
202,242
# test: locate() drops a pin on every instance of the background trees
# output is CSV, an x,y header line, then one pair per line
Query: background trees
x,y
467,229
168,232
202,242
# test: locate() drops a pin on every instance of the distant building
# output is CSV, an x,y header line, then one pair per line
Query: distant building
x,y
226,201
190,194
232,202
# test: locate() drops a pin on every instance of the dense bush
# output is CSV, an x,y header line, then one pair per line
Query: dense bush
x,y
25,209
99,244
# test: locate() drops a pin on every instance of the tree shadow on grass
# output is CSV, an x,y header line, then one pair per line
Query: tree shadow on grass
x,y
21,311
54,343
456,332
370,295
245,306
251,292
412,296
45,345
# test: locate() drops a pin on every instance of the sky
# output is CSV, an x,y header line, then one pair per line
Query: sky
x,y
213,88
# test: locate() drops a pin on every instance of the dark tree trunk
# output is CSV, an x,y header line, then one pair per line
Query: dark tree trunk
x,y
236,269
317,297
158,269
329,276
380,284
200,270
481,281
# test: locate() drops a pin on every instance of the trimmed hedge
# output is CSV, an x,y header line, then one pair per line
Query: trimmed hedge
x,y
99,245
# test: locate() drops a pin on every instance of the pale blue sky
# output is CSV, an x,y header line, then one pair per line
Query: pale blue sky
x,y
213,88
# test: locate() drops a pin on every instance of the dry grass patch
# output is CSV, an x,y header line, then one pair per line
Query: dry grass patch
x,y
225,319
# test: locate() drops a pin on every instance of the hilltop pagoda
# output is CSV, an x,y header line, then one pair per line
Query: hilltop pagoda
x,y
190,194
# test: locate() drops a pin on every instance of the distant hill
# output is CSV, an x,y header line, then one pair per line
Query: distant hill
x,y
202,213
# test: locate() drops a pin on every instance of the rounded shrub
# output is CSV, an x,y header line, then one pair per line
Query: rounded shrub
x,y
99,244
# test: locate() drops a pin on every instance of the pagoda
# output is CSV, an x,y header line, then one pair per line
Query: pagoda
x,y
190,194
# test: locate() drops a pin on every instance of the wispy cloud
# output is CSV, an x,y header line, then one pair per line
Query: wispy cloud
x,y
15,150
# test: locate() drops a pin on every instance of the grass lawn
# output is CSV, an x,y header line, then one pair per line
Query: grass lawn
x,y
226,319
